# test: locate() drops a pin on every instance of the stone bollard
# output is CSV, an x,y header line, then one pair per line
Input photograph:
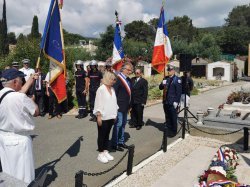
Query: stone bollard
x,y
200,117
211,112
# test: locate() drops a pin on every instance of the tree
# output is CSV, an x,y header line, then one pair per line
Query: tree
x,y
137,50
35,28
71,39
239,16
139,31
234,40
4,45
12,38
105,44
181,28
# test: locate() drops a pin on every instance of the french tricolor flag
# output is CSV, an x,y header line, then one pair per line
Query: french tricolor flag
x,y
162,47
118,54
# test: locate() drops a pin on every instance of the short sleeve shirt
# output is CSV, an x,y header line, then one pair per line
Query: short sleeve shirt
x,y
16,112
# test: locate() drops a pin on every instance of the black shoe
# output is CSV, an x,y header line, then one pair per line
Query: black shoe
x,y
93,119
123,146
138,128
77,116
82,116
131,126
117,148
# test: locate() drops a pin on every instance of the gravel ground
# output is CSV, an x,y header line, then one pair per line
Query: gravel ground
x,y
151,172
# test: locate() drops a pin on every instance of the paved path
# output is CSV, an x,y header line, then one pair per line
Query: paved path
x,y
57,145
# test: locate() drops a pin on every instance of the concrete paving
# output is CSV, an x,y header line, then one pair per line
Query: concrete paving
x,y
185,173
57,143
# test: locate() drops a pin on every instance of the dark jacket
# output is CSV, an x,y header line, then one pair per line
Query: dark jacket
x,y
139,91
122,95
42,91
173,89
187,85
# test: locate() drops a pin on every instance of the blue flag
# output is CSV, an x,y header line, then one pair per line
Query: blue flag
x,y
53,48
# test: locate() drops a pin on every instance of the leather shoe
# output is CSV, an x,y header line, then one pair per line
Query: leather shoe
x,y
92,119
123,146
138,128
131,126
117,148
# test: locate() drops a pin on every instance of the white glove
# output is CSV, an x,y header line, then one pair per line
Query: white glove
x,y
175,105
164,82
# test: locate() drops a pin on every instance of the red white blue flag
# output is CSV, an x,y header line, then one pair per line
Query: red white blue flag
x,y
52,45
118,54
162,47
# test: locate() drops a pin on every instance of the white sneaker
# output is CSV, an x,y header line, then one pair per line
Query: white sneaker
x,y
102,158
107,155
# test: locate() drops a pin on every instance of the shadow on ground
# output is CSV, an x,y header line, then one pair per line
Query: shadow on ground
x,y
72,151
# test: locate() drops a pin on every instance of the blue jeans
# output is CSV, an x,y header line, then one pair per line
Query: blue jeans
x,y
119,128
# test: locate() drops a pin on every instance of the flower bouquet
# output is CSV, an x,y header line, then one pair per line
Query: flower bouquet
x,y
221,170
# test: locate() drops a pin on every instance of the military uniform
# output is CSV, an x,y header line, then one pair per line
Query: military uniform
x,y
95,81
172,95
80,76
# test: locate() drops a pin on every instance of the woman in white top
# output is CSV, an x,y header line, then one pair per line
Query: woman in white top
x,y
105,110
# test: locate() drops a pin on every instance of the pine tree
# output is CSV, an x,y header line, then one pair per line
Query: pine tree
x,y
4,33
35,28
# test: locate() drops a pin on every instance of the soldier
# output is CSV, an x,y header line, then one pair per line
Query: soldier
x,y
26,69
15,65
95,77
171,98
28,72
81,89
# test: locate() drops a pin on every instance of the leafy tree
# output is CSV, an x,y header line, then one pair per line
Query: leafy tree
x,y
154,23
139,31
4,45
239,16
234,40
73,54
137,50
182,28
35,28
71,39
105,44
12,38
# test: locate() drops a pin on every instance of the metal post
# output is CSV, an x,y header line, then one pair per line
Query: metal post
x,y
246,138
183,128
131,151
79,179
164,141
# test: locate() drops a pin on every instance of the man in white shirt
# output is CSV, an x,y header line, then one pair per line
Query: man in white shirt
x,y
26,69
16,111
27,72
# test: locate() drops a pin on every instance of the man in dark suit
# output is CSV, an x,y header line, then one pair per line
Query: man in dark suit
x,y
139,95
171,97
123,94
39,92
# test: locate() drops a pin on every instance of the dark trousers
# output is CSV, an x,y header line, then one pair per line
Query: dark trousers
x,y
137,115
171,117
92,94
81,100
54,107
103,134
39,100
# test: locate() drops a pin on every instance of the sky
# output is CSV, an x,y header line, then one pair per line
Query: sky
x,y
91,17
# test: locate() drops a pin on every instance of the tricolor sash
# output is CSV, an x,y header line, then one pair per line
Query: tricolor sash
x,y
125,83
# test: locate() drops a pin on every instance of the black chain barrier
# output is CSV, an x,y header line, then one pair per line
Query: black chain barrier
x,y
106,171
216,133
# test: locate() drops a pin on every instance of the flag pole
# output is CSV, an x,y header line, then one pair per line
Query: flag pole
x,y
62,38
38,60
